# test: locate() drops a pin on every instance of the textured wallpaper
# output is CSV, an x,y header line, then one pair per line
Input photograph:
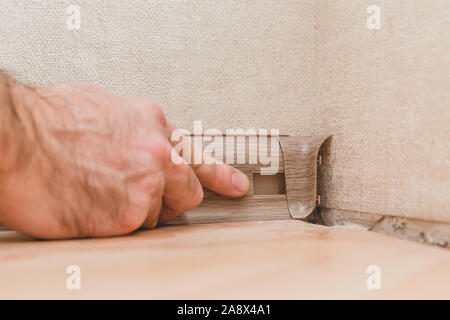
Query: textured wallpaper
x,y
385,95
228,63
305,67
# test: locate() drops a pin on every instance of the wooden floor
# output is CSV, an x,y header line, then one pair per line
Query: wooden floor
x,y
272,259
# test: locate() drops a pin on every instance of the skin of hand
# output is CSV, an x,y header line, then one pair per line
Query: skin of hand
x,y
93,164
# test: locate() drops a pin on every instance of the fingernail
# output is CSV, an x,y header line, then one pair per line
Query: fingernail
x,y
240,181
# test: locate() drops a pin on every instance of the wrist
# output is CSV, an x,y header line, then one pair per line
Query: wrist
x,y
18,130
9,124
19,146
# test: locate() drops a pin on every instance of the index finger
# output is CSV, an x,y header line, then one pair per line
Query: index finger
x,y
222,178
218,176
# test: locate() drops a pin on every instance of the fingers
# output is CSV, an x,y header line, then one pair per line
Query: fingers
x,y
167,214
155,205
222,178
218,176
180,188
183,190
183,182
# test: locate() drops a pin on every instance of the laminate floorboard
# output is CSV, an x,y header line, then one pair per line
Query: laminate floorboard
x,y
286,259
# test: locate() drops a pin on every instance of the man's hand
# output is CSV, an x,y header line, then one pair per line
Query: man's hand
x,y
87,162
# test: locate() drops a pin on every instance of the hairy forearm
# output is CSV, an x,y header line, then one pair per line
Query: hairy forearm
x,y
9,125
17,143
18,129
10,137
48,173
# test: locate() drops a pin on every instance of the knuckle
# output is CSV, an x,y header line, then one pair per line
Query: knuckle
x,y
155,112
131,220
153,185
220,172
189,197
158,149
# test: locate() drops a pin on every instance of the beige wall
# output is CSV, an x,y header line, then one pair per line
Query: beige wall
x,y
385,95
306,67
229,63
